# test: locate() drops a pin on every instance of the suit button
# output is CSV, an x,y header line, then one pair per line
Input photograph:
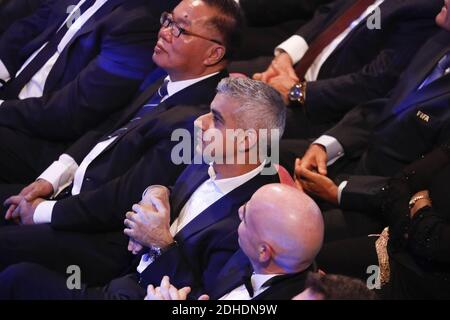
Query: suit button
x,y
87,179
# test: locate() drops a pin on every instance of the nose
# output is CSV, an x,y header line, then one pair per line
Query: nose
x,y
165,33
201,122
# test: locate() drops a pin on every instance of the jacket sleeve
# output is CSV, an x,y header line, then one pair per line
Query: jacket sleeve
x,y
107,83
354,130
429,236
104,208
269,12
214,255
329,99
20,33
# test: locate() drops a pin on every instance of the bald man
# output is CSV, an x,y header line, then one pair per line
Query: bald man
x,y
280,234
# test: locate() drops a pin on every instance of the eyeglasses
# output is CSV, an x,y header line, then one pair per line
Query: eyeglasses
x,y
167,21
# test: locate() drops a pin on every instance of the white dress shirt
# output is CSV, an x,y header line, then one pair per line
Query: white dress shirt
x,y
241,293
206,194
296,46
35,87
62,172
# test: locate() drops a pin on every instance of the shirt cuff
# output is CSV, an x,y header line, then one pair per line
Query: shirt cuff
x,y
295,47
340,189
4,74
332,146
43,212
60,173
1,102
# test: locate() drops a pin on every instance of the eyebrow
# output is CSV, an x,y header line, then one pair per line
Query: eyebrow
x,y
183,20
218,115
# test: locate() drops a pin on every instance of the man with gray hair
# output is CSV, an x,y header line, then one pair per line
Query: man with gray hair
x,y
258,125
189,232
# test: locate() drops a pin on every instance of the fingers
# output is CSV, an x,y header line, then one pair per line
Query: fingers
x,y
164,288
322,166
9,212
13,200
257,76
204,297
129,232
153,294
183,292
297,174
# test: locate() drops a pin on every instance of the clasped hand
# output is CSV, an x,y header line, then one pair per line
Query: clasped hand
x,y
149,223
22,206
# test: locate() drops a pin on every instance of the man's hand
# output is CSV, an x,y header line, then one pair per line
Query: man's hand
x,y
281,65
319,185
157,195
166,291
149,227
315,159
134,247
38,189
426,201
24,212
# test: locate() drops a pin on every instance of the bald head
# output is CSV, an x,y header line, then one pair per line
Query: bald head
x,y
286,220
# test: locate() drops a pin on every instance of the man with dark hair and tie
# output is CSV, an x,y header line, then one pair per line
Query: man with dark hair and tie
x,y
64,70
190,231
376,140
91,186
351,52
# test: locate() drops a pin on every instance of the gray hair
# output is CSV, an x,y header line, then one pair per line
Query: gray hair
x,y
261,106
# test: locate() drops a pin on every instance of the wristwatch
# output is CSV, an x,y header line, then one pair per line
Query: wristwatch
x,y
297,94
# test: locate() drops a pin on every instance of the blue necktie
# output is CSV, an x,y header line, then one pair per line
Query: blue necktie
x,y
15,85
441,69
154,101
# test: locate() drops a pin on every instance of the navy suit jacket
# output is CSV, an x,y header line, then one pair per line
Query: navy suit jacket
x,y
207,242
283,287
387,134
367,64
98,72
114,180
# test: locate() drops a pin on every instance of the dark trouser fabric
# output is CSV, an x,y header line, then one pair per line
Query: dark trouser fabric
x,y
28,281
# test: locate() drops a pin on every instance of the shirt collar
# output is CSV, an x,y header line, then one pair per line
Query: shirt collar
x,y
227,185
175,86
259,279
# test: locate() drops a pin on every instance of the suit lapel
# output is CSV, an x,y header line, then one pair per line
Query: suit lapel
x,y
406,93
224,206
92,21
195,94
88,26
186,187
232,275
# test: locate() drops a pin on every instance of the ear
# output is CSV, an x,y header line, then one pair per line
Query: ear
x,y
264,253
215,54
250,140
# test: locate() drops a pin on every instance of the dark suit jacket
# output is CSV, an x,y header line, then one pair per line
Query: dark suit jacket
x,y
208,241
12,10
268,12
386,135
231,276
140,157
367,63
98,72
